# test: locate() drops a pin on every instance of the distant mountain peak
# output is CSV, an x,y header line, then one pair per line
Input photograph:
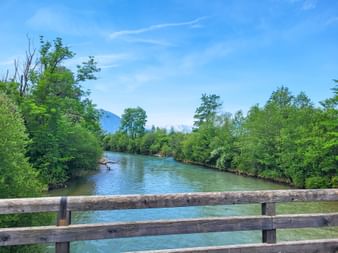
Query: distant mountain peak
x,y
109,121
179,128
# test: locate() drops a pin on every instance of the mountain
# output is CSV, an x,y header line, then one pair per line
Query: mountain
x,y
179,128
109,121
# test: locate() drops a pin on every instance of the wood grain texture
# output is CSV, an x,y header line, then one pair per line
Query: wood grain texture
x,y
313,246
269,235
63,219
49,234
115,202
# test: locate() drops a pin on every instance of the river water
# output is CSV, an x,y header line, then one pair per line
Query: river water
x,y
135,174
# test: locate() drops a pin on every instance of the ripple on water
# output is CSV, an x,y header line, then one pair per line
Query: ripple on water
x,y
136,174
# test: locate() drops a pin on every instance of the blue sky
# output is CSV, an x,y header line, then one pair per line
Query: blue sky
x,y
162,55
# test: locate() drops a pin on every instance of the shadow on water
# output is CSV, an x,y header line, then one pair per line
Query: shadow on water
x,y
136,174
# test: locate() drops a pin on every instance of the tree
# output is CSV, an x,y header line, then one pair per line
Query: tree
x,y
133,122
287,140
17,177
208,109
53,105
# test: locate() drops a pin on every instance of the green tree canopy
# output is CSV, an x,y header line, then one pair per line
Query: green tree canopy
x,y
62,122
133,122
17,177
208,109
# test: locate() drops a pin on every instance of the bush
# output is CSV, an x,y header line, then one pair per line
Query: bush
x,y
334,182
17,177
316,182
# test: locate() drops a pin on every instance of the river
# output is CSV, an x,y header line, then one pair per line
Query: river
x,y
136,174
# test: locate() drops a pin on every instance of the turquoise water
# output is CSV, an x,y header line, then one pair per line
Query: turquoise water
x,y
135,174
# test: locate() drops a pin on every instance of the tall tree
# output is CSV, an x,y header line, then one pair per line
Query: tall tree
x,y
17,177
208,109
54,105
133,122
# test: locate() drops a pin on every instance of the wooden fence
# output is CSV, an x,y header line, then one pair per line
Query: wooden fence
x,y
64,233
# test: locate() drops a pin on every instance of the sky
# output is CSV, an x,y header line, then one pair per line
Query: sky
x,y
162,55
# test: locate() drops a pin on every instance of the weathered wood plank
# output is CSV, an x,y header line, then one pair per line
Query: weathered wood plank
x,y
305,220
86,203
269,236
63,219
29,205
313,246
48,234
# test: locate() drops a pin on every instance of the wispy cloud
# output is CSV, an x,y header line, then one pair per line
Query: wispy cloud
x,y
7,62
309,4
305,4
134,80
173,66
331,21
150,41
216,51
50,19
63,20
117,34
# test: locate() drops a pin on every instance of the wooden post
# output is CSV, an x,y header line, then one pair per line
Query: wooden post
x,y
63,219
269,236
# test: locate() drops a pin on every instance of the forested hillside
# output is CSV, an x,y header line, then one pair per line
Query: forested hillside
x,y
287,140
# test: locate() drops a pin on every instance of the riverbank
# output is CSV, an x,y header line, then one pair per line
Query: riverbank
x,y
240,173
213,167
139,174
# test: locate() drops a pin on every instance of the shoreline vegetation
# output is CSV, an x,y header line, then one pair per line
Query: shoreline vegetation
x,y
288,140
237,172
207,166
49,129
60,120
50,133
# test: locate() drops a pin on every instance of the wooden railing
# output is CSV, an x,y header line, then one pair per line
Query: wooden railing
x,y
64,233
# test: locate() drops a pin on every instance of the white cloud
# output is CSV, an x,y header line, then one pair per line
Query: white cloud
x,y
150,41
7,62
132,81
61,19
309,4
331,21
47,18
305,4
216,51
117,34
172,66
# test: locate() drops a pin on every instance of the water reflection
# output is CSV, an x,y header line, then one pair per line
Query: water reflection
x,y
134,174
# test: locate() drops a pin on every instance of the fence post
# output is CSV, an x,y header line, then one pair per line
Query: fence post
x,y
63,219
269,236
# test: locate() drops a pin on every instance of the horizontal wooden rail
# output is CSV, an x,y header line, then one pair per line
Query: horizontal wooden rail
x,y
114,202
64,233
308,246
51,234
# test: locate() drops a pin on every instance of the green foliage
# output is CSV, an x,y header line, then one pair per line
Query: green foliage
x,y
133,122
58,130
62,123
317,182
155,142
334,182
287,140
208,109
17,177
